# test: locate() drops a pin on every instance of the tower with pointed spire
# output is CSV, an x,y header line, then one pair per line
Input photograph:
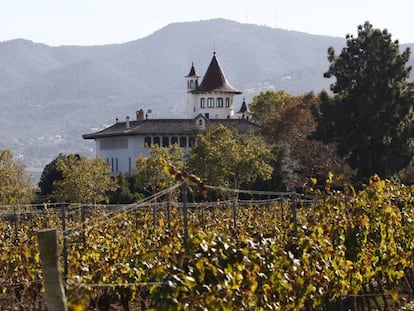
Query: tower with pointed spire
x,y
209,103
244,112
213,97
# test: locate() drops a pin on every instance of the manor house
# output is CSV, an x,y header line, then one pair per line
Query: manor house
x,y
209,103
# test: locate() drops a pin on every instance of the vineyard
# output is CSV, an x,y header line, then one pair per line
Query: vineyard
x,y
334,250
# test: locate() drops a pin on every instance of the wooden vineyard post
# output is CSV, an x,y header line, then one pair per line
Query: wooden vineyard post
x,y
48,248
65,250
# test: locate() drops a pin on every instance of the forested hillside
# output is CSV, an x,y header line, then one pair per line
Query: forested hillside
x,y
49,96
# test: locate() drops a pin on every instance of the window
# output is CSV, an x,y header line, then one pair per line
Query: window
x,y
183,142
207,115
174,140
191,84
165,141
116,165
129,165
202,103
156,141
147,142
227,102
114,143
191,142
219,102
210,102
112,165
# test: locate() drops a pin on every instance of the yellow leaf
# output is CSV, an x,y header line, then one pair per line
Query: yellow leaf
x,y
394,295
76,307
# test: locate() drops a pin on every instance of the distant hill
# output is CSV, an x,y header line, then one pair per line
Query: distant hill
x,y
50,96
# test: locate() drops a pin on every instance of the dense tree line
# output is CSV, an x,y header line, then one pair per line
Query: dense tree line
x,y
364,127
370,116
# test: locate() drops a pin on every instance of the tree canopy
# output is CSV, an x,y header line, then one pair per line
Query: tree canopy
x,y
287,122
15,183
84,180
225,158
50,175
370,115
150,176
123,193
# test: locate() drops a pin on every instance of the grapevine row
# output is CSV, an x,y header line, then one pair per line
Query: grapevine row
x,y
348,248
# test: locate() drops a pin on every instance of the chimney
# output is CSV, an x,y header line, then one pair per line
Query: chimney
x,y
127,122
140,115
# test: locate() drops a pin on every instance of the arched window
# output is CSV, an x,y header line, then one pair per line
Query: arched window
x,y
156,140
219,102
202,102
174,140
165,141
147,142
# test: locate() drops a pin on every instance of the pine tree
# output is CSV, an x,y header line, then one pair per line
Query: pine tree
x,y
370,115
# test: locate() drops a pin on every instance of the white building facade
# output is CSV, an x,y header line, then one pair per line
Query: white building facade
x,y
209,103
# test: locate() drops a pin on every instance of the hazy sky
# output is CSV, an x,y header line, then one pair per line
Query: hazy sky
x,y
91,22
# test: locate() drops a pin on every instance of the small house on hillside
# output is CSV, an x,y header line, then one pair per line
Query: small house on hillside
x,y
209,103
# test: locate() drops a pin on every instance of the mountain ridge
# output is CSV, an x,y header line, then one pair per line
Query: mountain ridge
x,y
50,96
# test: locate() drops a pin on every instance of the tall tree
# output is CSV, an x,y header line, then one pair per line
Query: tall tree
x,y
123,193
84,180
49,176
287,122
267,107
15,184
226,158
370,115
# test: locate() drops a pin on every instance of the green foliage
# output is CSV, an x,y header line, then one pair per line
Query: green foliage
x,y
84,180
268,106
371,115
15,184
288,120
347,243
226,158
151,176
285,168
123,193
50,175
408,307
